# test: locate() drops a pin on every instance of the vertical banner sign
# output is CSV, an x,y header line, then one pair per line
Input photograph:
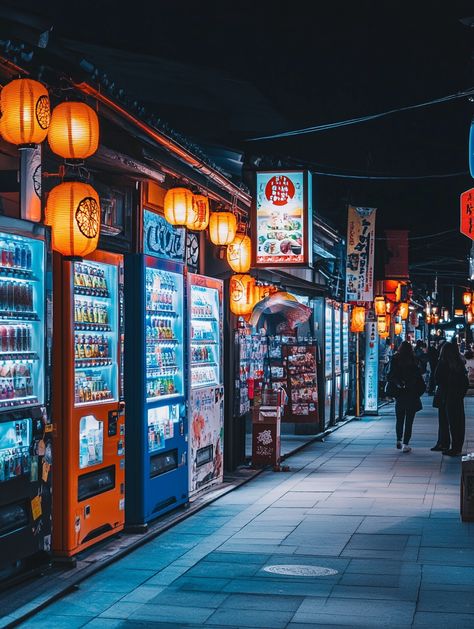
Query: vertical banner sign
x,y
371,375
396,266
467,213
30,183
471,149
360,254
282,219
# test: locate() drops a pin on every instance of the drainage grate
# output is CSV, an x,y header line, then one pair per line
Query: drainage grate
x,y
301,571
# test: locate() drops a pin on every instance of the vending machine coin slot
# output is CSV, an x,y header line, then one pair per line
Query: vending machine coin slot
x,y
112,425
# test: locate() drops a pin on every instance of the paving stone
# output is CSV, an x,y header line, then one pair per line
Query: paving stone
x,y
267,619
432,619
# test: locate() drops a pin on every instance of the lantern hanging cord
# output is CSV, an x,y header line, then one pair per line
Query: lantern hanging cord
x,y
368,118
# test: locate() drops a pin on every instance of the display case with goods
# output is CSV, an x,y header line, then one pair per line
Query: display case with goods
x,y
88,395
337,361
206,397
25,423
345,360
155,380
300,360
250,353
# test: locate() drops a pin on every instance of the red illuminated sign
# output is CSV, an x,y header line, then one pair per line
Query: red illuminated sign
x,y
467,213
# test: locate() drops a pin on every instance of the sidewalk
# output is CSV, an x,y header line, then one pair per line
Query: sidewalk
x,y
373,537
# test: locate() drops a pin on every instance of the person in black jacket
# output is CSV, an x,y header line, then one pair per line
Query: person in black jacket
x,y
452,381
406,377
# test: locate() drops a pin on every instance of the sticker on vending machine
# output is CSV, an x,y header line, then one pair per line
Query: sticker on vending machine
x,y
36,509
46,468
34,469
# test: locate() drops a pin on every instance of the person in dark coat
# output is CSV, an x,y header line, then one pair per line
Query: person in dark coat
x,y
406,377
452,381
433,363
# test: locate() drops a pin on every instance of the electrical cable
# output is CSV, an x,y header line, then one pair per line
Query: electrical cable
x,y
352,121
393,178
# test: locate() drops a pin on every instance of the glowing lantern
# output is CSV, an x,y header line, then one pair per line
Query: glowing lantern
x,y
199,219
73,211
74,130
398,328
242,294
178,206
469,317
384,335
435,318
446,314
358,319
403,310
222,228
25,110
428,319
467,298
388,306
239,253
379,305
381,324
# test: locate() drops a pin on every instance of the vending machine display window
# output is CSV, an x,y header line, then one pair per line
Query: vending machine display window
x,y
205,336
21,321
15,450
164,334
91,441
95,332
161,425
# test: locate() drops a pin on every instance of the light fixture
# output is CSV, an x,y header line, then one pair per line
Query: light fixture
x,y
358,319
239,253
403,310
381,324
242,294
467,297
379,305
178,206
25,112
222,228
199,218
74,130
398,329
73,212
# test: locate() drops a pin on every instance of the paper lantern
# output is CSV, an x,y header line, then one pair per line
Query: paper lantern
x,y
239,253
403,310
388,306
358,319
199,220
467,297
379,305
384,335
25,111
73,212
398,328
178,206
381,324
74,130
222,228
242,294
446,314
435,319
469,317
428,319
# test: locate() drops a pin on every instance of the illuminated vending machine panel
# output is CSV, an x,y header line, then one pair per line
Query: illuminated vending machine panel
x,y
328,364
95,333
337,363
22,326
164,335
345,360
205,336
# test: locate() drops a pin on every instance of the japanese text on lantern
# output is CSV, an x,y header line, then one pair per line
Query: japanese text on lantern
x,y
467,213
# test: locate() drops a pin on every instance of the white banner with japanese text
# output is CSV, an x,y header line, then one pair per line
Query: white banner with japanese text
x,y
360,254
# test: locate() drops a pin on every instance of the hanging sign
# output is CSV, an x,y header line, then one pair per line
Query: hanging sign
x,y
162,240
467,213
282,219
371,374
360,254
396,265
471,149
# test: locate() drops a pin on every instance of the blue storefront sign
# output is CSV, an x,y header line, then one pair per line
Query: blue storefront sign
x,y
371,375
161,239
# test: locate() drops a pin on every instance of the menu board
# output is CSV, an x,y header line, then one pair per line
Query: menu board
x,y
250,351
328,341
282,218
300,363
371,367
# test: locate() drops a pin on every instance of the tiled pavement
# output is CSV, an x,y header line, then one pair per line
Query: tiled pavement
x,y
387,522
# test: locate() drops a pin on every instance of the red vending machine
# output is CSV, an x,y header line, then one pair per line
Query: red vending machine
x,y
89,494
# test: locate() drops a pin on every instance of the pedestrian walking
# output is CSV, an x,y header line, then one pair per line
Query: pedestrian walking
x,y
408,386
452,384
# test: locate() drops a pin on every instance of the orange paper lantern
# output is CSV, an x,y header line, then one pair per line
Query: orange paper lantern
x,y
403,310
178,206
358,319
467,297
469,316
222,228
242,294
25,111
74,130
381,324
384,335
398,328
199,220
73,212
379,305
239,253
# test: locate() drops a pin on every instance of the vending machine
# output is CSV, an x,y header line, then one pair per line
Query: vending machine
x,y
89,493
337,361
157,471
25,427
323,318
206,397
345,360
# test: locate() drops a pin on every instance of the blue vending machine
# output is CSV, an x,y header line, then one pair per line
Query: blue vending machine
x,y
156,478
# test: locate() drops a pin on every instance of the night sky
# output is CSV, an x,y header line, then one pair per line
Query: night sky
x,y
333,61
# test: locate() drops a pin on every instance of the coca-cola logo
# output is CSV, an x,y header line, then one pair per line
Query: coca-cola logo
x,y
162,239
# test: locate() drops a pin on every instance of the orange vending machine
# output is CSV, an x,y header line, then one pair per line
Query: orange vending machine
x,y
89,490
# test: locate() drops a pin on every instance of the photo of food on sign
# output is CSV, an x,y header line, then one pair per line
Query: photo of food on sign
x,y
280,218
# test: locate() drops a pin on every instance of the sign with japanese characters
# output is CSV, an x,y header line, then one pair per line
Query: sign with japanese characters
x,y
371,364
471,149
360,254
467,213
162,240
282,219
